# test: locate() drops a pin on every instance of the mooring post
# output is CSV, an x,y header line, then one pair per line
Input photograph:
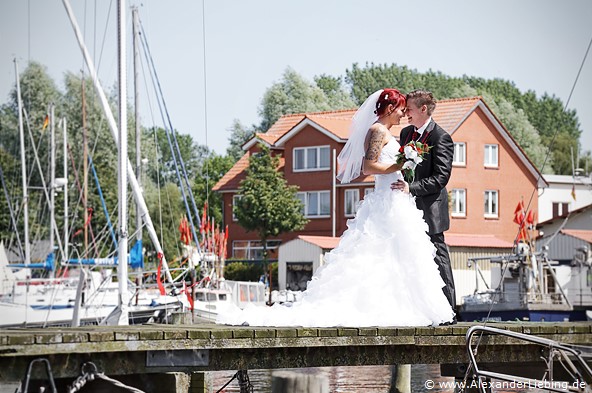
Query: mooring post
x,y
400,378
243,382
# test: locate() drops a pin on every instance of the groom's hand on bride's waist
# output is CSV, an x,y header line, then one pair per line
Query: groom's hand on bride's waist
x,y
400,185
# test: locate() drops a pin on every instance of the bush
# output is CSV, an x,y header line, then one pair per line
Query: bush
x,y
243,271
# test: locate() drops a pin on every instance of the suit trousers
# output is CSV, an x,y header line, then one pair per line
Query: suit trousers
x,y
442,259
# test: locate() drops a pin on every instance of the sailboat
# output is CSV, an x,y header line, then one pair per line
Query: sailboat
x,y
85,296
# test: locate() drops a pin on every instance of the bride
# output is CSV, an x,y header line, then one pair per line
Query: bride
x,y
382,273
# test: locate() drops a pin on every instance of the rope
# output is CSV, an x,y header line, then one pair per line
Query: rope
x,y
118,383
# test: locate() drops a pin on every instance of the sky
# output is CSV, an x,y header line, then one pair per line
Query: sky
x,y
209,80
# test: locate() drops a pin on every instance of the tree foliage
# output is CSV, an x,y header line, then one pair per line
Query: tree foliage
x,y
544,130
239,135
293,94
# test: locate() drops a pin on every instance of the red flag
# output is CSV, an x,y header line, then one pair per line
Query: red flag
x,y
188,294
158,271
202,224
184,230
530,217
519,213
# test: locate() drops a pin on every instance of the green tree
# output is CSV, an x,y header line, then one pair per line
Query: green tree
x,y
239,135
533,122
212,170
38,91
337,95
267,204
292,95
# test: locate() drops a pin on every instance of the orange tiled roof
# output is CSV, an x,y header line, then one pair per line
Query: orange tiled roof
x,y
449,114
582,234
325,242
473,240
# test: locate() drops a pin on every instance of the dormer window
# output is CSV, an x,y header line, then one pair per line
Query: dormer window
x,y
313,158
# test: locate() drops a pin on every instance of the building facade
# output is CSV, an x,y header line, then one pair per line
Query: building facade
x,y
491,174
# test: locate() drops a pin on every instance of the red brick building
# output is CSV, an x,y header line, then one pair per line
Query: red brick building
x,y
491,174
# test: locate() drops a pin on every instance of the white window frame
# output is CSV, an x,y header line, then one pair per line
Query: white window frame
x,y
235,198
317,166
460,148
305,198
351,202
253,248
491,204
491,156
459,202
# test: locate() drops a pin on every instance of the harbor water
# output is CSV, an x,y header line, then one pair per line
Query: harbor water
x,y
366,379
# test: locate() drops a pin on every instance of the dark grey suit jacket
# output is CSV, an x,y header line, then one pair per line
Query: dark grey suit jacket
x,y
432,175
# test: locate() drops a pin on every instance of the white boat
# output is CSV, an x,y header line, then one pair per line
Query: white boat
x,y
208,301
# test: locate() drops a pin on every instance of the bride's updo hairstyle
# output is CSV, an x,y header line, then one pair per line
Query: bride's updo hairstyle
x,y
389,96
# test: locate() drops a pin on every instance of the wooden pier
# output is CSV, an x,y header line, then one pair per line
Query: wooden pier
x,y
154,349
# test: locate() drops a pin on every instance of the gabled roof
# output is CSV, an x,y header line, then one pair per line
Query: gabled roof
x,y
475,240
449,114
582,234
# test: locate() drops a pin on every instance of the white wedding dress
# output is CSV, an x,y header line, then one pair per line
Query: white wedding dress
x,y
382,273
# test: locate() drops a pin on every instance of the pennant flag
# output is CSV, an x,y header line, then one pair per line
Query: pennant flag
x,y
45,123
188,294
531,217
185,231
158,272
519,213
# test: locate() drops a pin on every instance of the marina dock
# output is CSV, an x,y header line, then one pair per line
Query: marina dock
x,y
154,349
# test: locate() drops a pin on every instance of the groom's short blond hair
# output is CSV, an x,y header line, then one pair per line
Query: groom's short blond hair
x,y
423,97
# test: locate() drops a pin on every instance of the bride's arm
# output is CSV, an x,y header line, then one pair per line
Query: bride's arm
x,y
374,143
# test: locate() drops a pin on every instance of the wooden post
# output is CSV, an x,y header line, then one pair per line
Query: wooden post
x,y
295,382
199,382
400,378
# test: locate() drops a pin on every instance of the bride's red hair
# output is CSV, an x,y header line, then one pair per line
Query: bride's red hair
x,y
389,96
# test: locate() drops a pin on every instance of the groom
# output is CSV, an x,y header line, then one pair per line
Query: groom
x,y
431,177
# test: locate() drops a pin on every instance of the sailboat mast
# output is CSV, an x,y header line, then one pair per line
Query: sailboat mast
x,y
137,117
114,133
52,181
135,42
23,167
65,163
84,166
122,166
